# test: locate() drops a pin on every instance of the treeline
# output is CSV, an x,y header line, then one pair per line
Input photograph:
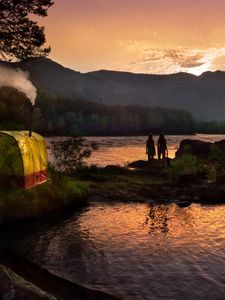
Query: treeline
x,y
59,116
66,117
211,127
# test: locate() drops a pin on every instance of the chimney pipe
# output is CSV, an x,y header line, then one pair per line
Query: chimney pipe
x,y
31,121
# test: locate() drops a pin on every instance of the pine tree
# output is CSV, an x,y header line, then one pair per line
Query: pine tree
x,y
20,36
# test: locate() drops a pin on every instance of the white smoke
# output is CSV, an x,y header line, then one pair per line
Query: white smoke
x,y
18,79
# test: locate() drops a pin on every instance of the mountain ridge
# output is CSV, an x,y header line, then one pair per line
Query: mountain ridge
x,y
203,95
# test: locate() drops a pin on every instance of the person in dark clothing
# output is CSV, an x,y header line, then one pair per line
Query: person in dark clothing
x,y
162,147
150,147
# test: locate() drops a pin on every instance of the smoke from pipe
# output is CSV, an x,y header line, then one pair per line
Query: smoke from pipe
x,y
19,80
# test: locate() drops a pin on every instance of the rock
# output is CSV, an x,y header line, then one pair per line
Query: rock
x,y
183,198
144,164
21,279
183,203
112,169
15,287
199,148
140,164
194,147
220,145
195,199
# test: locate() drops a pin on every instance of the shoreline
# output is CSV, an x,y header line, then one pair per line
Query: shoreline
x,y
163,192
28,281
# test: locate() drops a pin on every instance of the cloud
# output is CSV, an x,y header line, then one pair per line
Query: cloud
x,y
171,60
184,58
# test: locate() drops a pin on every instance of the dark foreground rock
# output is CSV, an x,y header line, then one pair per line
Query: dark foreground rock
x,y
13,286
199,148
143,164
21,280
194,147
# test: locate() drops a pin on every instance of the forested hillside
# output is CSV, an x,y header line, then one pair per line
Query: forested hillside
x,y
61,116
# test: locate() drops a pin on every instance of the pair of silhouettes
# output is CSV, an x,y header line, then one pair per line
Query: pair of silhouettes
x,y
161,147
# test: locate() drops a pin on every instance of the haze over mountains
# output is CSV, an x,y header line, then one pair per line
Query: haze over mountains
x,y
203,96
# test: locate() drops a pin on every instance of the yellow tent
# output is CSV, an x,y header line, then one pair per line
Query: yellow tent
x,y
23,159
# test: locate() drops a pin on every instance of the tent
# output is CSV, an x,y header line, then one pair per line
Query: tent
x,y
23,159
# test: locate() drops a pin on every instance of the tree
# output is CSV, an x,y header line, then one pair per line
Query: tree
x,y
20,36
69,154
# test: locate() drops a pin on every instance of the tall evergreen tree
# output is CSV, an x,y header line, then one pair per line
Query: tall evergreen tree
x,y
20,36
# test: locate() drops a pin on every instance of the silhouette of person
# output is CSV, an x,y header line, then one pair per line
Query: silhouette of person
x,y
150,147
162,147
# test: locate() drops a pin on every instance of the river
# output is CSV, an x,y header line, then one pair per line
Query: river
x,y
123,150
133,251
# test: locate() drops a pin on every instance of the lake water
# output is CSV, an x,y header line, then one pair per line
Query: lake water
x,y
123,150
134,251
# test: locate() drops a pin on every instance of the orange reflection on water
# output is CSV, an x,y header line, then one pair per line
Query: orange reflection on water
x,y
141,251
132,224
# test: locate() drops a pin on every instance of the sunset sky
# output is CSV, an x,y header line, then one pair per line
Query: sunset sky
x,y
142,36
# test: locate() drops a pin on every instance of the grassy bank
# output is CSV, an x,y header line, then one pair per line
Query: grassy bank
x,y
56,194
187,178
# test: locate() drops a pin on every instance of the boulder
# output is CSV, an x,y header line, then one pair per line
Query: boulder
x,y
140,164
194,147
220,145
144,164
22,279
15,287
113,169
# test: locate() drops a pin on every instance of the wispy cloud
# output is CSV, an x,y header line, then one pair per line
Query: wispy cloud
x,y
184,58
146,59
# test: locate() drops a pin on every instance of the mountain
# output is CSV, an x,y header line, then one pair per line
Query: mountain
x,y
203,96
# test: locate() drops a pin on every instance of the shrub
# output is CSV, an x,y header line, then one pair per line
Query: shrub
x,y
70,153
186,164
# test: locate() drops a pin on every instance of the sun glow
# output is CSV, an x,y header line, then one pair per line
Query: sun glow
x,y
143,58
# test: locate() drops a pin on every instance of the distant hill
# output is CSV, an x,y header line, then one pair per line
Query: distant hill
x,y
203,96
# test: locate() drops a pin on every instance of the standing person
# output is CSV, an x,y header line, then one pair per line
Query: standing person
x,y
150,147
162,147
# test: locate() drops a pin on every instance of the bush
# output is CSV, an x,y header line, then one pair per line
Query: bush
x,y
69,154
184,165
47,198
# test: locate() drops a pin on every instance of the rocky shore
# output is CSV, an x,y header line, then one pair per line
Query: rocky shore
x,y
21,279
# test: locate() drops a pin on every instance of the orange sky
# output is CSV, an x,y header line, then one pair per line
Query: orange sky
x,y
143,36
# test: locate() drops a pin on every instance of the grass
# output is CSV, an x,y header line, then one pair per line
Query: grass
x,y
117,178
53,196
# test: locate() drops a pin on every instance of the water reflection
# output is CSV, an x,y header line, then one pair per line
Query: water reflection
x,y
138,251
157,219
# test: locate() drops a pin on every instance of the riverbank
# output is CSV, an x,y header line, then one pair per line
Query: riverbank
x,y
58,194
136,185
